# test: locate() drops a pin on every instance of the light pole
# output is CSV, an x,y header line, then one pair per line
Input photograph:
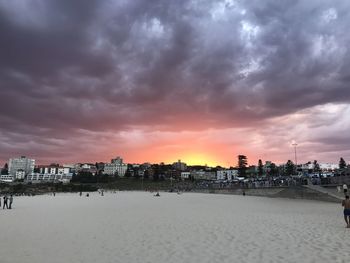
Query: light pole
x,y
295,155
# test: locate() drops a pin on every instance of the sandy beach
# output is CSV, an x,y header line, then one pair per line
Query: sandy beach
x,y
138,227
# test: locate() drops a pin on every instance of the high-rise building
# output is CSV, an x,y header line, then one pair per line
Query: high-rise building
x,y
180,165
24,164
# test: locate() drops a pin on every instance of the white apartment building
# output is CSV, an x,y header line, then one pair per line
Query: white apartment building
x,y
324,167
116,167
329,166
226,175
22,163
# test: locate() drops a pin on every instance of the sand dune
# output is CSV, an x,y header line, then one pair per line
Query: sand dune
x,y
138,227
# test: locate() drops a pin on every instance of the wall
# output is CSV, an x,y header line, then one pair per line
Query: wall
x,y
297,192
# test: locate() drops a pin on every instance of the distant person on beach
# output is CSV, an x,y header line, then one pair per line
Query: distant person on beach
x,y
346,205
11,201
345,189
5,202
157,194
87,195
80,193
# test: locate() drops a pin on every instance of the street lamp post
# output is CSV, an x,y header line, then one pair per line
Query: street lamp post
x,y
295,155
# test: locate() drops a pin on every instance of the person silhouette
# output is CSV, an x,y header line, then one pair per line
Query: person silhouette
x,y
346,205
5,202
11,201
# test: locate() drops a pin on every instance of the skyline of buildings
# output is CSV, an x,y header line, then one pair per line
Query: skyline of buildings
x,y
24,168
26,164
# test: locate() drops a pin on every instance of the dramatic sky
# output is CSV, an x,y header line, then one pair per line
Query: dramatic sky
x,y
197,80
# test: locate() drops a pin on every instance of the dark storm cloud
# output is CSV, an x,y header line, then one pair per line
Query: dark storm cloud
x,y
175,65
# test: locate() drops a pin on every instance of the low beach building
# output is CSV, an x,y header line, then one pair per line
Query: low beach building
x,y
185,175
50,173
229,175
7,178
203,175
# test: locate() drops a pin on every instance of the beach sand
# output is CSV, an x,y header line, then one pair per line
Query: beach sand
x,y
138,227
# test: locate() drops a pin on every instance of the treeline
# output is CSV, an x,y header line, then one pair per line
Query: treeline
x,y
287,169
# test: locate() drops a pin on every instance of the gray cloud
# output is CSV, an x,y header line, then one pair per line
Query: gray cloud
x,y
173,65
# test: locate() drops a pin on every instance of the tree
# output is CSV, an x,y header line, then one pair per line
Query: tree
x,y
273,170
157,172
290,167
242,165
5,170
84,177
316,167
128,172
260,168
146,174
342,164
